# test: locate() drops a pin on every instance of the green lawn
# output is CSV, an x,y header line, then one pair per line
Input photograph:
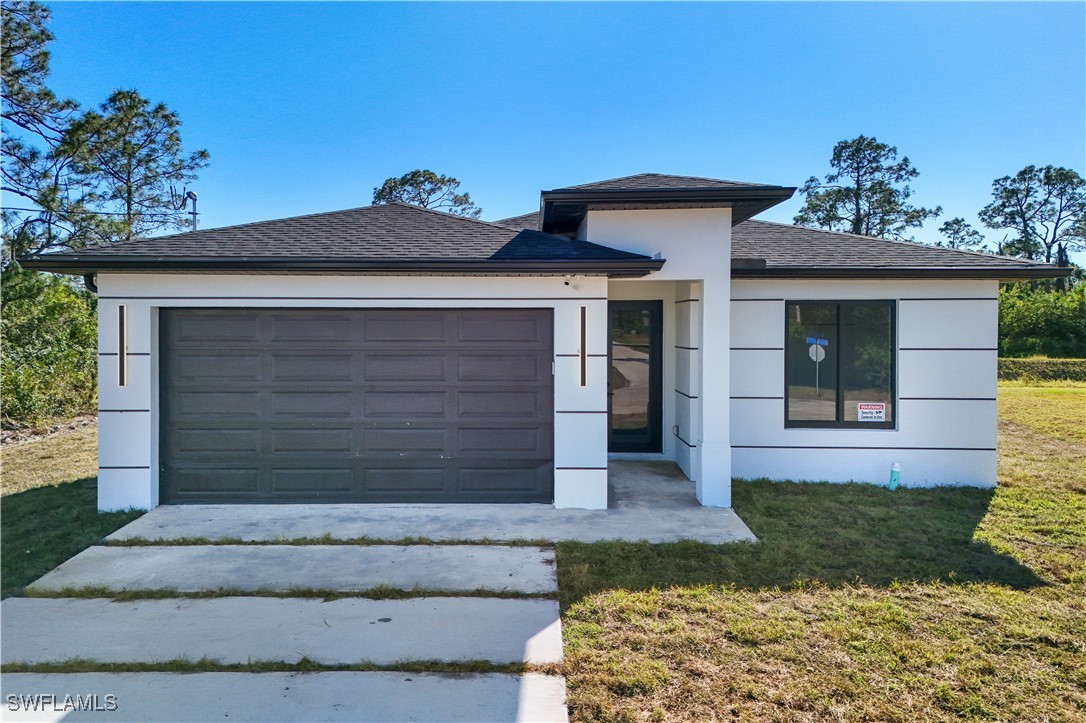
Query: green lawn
x,y
857,603
48,508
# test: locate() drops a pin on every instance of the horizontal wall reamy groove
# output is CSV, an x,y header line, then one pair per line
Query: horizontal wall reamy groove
x,y
686,301
947,348
679,437
688,396
574,411
757,348
774,398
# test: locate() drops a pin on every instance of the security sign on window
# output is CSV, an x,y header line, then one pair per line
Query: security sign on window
x,y
870,412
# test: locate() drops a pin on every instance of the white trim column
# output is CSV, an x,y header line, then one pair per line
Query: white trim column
x,y
713,464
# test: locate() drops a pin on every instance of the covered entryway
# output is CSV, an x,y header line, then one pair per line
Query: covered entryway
x,y
356,405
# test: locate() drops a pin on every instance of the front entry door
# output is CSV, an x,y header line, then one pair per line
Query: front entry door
x,y
635,379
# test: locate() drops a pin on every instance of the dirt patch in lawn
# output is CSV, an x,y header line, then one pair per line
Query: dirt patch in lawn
x,y
18,435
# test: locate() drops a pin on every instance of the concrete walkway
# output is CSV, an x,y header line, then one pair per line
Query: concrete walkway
x,y
247,629
343,568
649,501
267,697
240,629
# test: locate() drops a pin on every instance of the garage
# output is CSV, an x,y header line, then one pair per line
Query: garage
x,y
356,405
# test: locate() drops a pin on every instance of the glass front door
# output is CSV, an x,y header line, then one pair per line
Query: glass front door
x,y
635,377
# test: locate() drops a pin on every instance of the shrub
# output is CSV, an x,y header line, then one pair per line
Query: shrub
x,y
1042,368
49,364
1042,322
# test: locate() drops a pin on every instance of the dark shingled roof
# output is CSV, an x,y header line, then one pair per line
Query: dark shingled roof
x,y
657,181
785,247
528,220
396,233
800,251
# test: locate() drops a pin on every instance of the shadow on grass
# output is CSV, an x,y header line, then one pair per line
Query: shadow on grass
x,y
827,533
42,527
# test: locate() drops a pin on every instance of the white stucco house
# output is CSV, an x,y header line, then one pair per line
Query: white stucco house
x,y
397,354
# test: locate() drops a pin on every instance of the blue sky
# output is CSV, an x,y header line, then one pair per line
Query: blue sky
x,y
306,107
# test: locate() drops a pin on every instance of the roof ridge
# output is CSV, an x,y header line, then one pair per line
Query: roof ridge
x,y
981,254
662,175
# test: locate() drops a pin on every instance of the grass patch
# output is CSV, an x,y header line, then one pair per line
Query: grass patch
x,y
304,665
49,461
379,592
857,603
49,506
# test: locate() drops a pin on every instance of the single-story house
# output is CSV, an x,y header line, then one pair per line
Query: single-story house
x,y
398,354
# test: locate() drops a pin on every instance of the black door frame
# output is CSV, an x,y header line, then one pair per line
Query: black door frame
x,y
653,440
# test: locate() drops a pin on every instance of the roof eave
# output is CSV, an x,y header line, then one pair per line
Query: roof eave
x,y
81,265
746,202
916,272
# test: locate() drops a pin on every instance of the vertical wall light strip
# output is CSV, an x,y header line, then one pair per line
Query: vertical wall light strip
x,y
584,346
122,345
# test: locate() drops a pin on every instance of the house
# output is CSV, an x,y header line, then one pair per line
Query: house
x,y
398,354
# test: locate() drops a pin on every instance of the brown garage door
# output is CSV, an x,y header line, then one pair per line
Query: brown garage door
x,y
351,405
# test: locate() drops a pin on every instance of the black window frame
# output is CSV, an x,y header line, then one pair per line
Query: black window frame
x,y
840,422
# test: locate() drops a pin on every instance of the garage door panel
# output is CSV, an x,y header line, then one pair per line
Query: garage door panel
x,y
399,404
509,368
221,441
198,405
310,328
417,367
501,440
312,440
503,328
319,405
206,329
307,482
503,403
303,367
487,482
193,368
356,405
399,328
406,440
404,482
209,482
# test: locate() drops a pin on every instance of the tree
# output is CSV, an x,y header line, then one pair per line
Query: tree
x,y
1045,209
72,181
960,235
866,193
132,150
429,190
44,207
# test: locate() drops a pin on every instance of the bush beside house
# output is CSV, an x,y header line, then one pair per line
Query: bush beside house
x,y
50,343
1042,322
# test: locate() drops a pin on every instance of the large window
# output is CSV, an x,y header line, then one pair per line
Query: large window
x,y
839,364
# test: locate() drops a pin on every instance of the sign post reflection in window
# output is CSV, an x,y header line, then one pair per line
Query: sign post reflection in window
x,y
839,364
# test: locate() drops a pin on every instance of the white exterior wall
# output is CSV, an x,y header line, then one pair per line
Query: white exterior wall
x,y
128,416
697,246
945,409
